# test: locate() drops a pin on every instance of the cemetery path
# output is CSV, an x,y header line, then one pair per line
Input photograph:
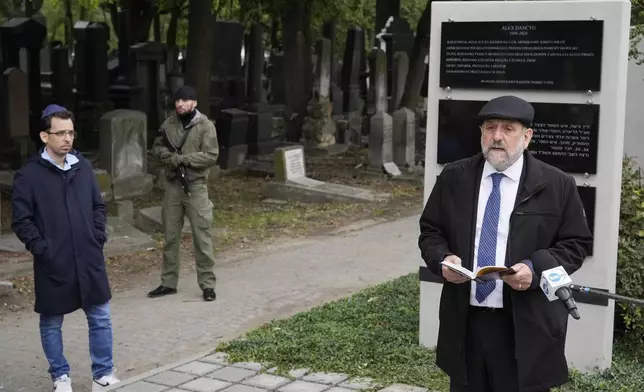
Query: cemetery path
x,y
274,282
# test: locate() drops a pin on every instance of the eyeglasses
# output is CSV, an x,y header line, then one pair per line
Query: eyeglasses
x,y
71,134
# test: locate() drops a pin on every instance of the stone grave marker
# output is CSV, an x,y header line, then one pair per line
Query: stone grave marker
x,y
123,141
404,128
16,102
232,134
380,155
293,184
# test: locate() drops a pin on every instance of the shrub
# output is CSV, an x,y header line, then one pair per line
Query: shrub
x,y
630,254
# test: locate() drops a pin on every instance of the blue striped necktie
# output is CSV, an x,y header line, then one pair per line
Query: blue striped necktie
x,y
487,242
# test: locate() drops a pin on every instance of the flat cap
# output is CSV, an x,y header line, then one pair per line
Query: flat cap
x,y
508,107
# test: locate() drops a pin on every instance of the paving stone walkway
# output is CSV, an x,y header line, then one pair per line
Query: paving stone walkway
x,y
214,373
252,289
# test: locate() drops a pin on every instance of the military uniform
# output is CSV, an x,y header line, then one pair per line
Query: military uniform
x,y
199,152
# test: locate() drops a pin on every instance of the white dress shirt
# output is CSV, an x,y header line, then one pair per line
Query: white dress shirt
x,y
509,186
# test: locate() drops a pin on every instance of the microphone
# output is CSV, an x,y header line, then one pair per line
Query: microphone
x,y
555,284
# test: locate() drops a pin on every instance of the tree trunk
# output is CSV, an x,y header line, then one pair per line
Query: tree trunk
x,y
420,50
69,24
199,51
157,27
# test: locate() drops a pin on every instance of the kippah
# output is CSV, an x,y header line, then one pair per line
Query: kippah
x,y
51,109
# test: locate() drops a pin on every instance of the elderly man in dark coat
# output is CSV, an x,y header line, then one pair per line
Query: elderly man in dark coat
x,y
503,207
59,214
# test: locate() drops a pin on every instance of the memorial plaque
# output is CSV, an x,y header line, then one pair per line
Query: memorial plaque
x,y
588,195
543,55
565,135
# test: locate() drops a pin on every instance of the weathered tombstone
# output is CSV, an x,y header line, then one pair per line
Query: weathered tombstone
x,y
232,135
256,94
123,152
404,129
351,70
293,184
401,68
289,163
380,155
147,59
329,32
319,128
16,102
567,130
45,59
322,82
90,60
227,77
261,119
278,80
62,78
25,35
296,87
125,92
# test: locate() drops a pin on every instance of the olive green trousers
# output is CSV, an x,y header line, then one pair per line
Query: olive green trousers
x,y
198,208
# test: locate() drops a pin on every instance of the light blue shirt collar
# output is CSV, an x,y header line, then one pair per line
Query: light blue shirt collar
x,y
69,160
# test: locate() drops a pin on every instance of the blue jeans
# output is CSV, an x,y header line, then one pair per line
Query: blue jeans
x,y
100,342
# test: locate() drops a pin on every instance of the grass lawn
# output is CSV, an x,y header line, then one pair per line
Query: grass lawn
x,y
375,334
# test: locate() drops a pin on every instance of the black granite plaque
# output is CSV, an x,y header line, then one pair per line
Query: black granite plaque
x,y
565,135
542,55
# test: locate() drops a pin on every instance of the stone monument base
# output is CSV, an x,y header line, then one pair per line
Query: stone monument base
x,y
308,190
128,188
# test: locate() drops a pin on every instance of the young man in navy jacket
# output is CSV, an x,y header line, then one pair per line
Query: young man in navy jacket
x,y
59,214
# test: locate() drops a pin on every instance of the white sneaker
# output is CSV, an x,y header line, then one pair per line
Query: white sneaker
x,y
63,384
102,383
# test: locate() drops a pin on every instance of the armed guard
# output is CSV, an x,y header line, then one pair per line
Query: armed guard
x,y
187,148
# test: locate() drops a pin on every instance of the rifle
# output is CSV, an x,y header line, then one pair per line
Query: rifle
x,y
180,169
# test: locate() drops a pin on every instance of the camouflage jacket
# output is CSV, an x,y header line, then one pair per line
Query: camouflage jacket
x,y
201,148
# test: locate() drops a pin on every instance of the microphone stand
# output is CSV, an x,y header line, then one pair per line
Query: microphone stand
x,y
616,297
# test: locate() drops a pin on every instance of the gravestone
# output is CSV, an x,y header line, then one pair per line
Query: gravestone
x,y
90,68
261,119
571,90
123,152
62,78
278,80
90,60
147,60
232,135
380,155
227,78
351,70
26,35
329,32
319,128
125,91
291,183
15,130
399,78
404,129
289,163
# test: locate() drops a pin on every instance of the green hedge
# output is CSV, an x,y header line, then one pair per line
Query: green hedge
x,y
630,256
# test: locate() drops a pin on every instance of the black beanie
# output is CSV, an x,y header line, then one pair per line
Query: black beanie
x,y
185,93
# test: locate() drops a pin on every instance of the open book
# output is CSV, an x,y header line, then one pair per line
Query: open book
x,y
482,274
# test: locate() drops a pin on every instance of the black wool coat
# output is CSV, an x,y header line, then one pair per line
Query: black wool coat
x,y
547,226
60,217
